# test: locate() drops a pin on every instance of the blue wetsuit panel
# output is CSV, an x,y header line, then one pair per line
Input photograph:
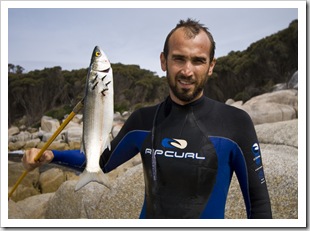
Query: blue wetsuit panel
x,y
70,158
128,147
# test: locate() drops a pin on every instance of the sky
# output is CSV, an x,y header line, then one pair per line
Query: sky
x,y
48,37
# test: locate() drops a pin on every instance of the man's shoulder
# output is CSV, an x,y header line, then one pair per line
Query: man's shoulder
x,y
228,110
142,117
145,111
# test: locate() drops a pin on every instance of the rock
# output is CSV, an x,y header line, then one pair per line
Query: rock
x,y
237,104
281,172
69,175
73,134
51,180
32,143
23,120
22,128
68,204
48,124
283,132
32,130
286,97
116,128
230,101
13,131
16,169
16,145
37,135
28,186
119,118
269,112
15,211
23,136
95,201
279,87
56,145
22,192
47,135
75,145
78,119
124,167
31,208
126,114
126,197
272,107
73,124
293,83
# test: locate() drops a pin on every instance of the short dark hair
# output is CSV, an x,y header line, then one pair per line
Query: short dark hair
x,y
192,28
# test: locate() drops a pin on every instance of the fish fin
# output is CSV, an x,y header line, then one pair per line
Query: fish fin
x,y
87,177
107,144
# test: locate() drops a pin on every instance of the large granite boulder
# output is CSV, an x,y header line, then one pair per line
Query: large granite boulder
x,y
30,208
279,147
271,107
28,186
49,124
51,180
13,131
123,200
281,172
279,133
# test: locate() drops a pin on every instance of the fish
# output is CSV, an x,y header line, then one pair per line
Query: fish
x,y
98,112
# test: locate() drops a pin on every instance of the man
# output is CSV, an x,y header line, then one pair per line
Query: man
x,y
190,145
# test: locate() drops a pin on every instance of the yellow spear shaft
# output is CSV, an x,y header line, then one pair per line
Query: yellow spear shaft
x,y
75,110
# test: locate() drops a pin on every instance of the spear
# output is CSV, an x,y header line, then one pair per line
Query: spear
x,y
75,110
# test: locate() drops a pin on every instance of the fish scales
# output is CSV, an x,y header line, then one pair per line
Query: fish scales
x,y
97,117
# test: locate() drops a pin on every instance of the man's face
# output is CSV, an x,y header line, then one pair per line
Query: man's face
x,y
188,66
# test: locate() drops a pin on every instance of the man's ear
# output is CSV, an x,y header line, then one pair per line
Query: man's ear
x,y
163,61
212,64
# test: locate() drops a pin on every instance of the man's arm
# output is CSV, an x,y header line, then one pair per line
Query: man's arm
x,y
123,147
253,182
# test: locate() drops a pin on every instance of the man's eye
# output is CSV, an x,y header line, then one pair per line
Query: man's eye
x,y
199,61
178,58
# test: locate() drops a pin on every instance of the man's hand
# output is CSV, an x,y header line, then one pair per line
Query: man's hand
x,y
29,162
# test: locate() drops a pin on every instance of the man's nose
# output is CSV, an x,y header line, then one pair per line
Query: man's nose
x,y
187,69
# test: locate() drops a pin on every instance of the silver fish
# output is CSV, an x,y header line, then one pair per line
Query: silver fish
x,y
97,117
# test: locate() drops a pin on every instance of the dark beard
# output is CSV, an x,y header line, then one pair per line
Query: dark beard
x,y
184,94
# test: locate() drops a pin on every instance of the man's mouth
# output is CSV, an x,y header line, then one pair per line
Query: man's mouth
x,y
186,83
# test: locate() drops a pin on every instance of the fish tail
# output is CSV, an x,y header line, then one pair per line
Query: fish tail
x,y
87,177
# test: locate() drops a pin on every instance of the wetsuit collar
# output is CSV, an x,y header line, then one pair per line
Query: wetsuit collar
x,y
194,103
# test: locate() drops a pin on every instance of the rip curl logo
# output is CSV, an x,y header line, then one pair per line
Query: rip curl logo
x,y
255,149
258,161
174,143
171,145
256,153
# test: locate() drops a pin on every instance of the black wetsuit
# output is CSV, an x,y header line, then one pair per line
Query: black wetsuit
x,y
189,154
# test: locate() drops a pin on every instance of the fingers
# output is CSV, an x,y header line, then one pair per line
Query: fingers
x,y
29,161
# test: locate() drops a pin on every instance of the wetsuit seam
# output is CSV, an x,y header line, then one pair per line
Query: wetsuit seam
x,y
197,123
236,146
122,141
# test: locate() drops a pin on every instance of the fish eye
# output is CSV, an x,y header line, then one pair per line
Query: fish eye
x,y
97,53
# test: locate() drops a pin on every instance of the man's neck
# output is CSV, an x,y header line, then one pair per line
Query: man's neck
x,y
181,102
